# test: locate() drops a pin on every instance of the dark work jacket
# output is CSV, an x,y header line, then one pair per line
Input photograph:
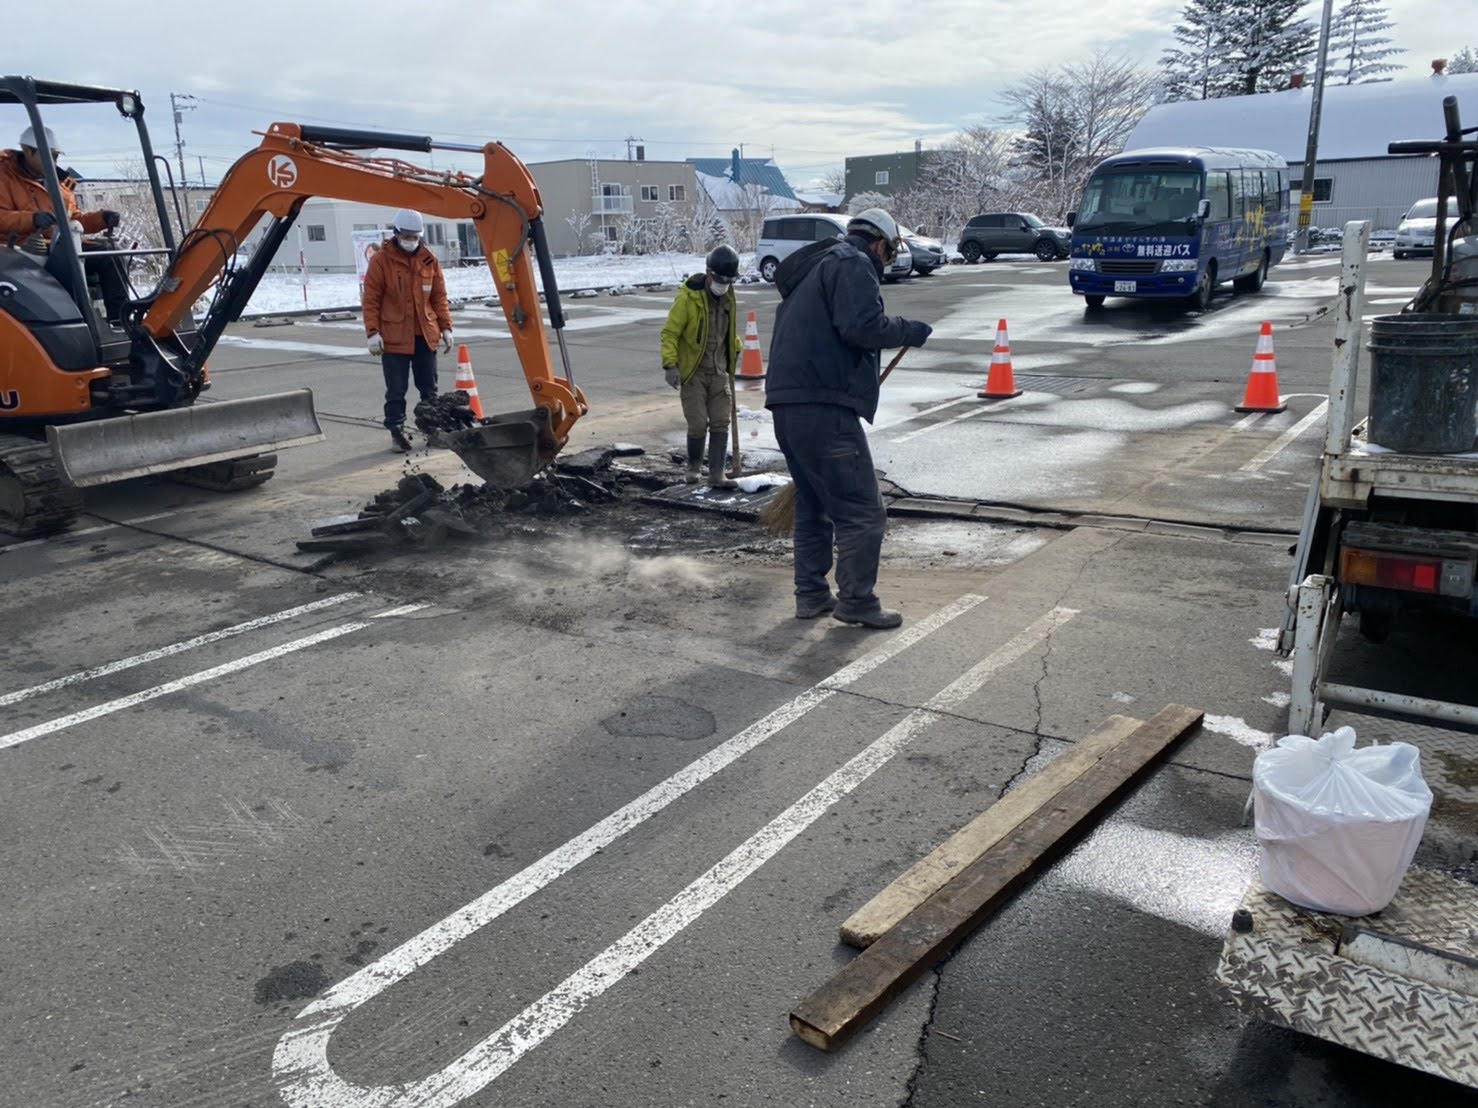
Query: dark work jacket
x,y
829,329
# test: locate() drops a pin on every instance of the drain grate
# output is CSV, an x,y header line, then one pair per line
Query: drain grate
x,y
1061,385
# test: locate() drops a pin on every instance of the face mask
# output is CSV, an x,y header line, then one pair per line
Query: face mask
x,y
408,245
718,288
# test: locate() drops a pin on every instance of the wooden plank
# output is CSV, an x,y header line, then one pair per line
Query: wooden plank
x,y
931,873
836,1011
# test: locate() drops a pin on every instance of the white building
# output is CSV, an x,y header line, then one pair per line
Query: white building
x,y
1355,178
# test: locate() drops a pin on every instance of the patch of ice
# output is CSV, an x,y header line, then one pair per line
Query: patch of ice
x,y
1265,639
1136,388
756,481
1238,730
1125,698
1278,699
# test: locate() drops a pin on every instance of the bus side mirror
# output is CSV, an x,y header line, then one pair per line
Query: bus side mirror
x,y
1203,210
1072,217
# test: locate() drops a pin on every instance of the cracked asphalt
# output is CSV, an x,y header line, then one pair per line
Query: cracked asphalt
x,y
572,817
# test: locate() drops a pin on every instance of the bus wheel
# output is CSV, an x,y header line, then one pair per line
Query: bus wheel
x,y
1093,300
1200,300
1253,281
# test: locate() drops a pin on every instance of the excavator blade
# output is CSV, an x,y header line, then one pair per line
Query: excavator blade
x,y
507,450
116,449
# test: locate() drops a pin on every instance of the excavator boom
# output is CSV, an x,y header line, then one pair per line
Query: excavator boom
x,y
295,162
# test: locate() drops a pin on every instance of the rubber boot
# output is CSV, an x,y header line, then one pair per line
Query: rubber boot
x,y
718,441
695,459
399,440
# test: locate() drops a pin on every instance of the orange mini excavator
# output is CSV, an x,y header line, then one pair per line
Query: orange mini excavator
x,y
85,402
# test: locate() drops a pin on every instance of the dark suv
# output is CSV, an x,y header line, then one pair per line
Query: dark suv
x,y
985,236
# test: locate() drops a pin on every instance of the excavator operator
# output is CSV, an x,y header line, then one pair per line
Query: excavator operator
x,y
26,215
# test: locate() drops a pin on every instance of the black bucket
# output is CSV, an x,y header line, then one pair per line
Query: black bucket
x,y
1424,383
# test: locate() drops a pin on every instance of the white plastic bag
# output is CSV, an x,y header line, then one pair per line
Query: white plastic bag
x,y
1338,826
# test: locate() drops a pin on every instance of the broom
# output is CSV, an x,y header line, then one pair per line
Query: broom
x,y
777,517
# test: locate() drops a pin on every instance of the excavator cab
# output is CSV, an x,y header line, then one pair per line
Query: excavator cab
x,y
88,400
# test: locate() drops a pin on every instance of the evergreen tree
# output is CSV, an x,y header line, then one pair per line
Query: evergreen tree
x,y
1357,47
1194,67
1464,61
1238,47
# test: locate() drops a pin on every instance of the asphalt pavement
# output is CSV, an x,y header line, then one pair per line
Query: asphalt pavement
x,y
572,816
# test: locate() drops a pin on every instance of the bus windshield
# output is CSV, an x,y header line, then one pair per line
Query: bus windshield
x,y
1139,200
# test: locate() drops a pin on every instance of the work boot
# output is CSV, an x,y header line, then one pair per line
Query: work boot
x,y
695,459
810,609
880,619
399,440
717,441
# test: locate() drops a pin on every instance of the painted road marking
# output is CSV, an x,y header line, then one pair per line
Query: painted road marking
x,y
178,648
942,423
404,610
15,738
301,1060
1274,448
920,415
88,531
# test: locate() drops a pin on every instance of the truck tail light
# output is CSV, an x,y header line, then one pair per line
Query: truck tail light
x,y
1383,570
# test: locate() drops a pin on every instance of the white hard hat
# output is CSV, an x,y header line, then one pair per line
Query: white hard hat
x,y
407,220
875,221
28,138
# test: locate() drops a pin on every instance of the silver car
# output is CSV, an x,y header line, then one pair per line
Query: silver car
x,y
928,254
1418,226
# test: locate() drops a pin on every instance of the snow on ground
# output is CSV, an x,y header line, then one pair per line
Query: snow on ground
x,y
284,291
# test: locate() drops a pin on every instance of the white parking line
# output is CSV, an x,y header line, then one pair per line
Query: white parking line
x,y
15,738
177,648
941,424
911,416
79,533
302,1059
1275,447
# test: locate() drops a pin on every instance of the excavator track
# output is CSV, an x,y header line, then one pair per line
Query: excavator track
x,y
33,499
229,476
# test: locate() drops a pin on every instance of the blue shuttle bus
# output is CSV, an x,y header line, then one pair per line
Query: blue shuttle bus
x,y
1171,224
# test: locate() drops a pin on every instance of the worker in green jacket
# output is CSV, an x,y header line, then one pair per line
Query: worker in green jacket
x,y
700,353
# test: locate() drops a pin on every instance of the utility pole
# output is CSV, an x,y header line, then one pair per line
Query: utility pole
x,y
201,159
1311,152
181,104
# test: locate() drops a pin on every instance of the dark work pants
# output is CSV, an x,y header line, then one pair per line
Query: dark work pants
x,y
398,370
837,504
111,283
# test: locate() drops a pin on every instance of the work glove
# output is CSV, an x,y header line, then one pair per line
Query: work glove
x,y
917,333
671,375
111,219
376,344
446,341
43,220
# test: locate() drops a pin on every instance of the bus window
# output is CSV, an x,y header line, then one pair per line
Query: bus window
x,y
1240,197
1219,192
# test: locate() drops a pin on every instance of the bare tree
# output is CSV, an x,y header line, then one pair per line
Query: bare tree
x,y
974,173
745,222
833,180
704,226
864,200
579,223
1073,118
667,230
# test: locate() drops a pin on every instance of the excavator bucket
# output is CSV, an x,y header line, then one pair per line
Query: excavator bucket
x,y
106,450
507,450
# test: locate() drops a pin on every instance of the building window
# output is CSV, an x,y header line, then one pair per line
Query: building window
x,y
201,205
880,177
1323,188
677,193
436,234
649,193
316,233
366,227
611,235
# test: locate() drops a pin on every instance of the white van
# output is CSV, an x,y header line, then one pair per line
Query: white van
x,y
782,236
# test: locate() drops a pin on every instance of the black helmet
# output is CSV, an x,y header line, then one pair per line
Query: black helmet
x,y
723,262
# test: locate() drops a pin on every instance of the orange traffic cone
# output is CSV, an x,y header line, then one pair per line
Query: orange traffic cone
x,y
466,382
751,364
1000,383
1262,381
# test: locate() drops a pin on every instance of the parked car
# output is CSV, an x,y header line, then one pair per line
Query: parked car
x,y
994,233
928,254
1415,231
782,236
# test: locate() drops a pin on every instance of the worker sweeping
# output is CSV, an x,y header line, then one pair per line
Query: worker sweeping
x,y
700,353
823,382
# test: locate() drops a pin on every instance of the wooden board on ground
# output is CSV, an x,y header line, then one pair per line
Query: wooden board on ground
x,y
951,857
836,1011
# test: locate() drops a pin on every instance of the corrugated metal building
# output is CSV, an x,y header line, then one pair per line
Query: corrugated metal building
x,y
1355,178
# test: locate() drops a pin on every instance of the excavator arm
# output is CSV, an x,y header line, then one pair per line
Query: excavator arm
x,y
295,162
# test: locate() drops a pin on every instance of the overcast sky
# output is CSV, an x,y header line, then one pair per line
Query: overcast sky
x,y
806,83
